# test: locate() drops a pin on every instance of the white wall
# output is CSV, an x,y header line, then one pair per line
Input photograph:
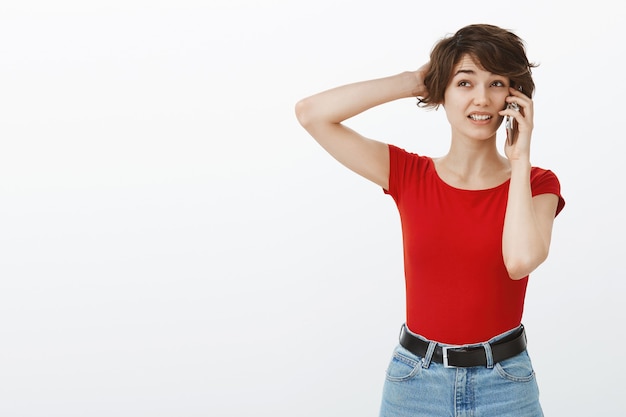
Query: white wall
x,y
173,243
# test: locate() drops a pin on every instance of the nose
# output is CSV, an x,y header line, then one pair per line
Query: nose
x,y
481,96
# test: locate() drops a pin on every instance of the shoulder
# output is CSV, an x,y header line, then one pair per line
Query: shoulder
x,y
544,181
406,169
541,177
407,164
401,155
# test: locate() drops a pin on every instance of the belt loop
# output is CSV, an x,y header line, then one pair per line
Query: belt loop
x,y
488,355
429,354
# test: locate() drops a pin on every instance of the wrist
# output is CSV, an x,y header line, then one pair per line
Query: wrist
x,y
413,86
521,166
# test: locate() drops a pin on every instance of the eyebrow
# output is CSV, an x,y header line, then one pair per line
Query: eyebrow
x,y
464,71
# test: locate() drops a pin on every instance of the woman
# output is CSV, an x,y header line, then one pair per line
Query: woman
x,y
475,223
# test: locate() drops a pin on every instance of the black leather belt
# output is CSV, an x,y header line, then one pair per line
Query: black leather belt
x,y
465,357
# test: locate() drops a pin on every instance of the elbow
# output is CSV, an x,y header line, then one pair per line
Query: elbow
x,y
519,267
303,113
518,271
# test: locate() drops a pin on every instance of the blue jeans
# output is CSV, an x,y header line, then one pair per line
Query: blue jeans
x,y
416,386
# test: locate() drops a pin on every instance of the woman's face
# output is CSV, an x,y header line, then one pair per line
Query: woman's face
x,y
473,99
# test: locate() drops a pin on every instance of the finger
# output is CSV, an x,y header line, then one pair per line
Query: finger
x,y
517,102
516,92
519,97
521,103
513,109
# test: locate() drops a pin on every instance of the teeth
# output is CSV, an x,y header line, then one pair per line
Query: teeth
x,y
480,117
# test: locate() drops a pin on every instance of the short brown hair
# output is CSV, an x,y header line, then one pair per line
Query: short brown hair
x,y
497,50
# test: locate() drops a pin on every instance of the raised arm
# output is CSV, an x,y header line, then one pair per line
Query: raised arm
x,y
528,220
322,116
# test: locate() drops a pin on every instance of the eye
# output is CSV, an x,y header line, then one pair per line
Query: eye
x,y
498,84
463,84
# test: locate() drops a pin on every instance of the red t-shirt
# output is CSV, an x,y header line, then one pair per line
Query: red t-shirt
x,y
458,290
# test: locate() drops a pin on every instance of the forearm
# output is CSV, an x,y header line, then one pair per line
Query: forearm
x,y
524,243
341,103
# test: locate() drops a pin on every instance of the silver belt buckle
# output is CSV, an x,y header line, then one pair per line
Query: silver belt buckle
x,y
444,352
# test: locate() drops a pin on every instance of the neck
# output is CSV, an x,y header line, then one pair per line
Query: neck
x,y
473,164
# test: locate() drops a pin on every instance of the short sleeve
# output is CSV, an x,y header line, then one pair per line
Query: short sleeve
x,y
395,164
544,181
405,169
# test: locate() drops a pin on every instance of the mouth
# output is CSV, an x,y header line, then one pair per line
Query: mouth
x,y
479,117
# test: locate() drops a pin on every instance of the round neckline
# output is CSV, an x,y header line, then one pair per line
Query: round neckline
x,y
452,187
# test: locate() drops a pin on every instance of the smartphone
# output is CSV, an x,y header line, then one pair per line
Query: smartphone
x,y
511,125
